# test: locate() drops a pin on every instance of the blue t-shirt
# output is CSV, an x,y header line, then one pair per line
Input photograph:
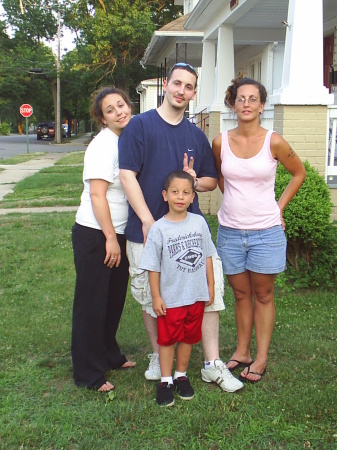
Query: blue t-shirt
x,y
154,148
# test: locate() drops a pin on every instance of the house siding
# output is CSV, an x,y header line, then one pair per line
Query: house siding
x,y
304,127
210,201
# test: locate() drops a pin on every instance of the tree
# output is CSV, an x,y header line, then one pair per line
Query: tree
x,y
115,36
17,84
77,80
32,22
163,12
36,19
111,39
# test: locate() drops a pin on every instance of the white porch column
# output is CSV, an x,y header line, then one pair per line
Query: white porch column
x,y
302,79
207,78
225,65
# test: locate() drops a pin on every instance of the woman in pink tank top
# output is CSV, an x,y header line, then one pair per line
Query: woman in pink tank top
x,y
251,239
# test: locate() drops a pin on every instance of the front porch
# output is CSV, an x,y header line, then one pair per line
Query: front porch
x,y
284,44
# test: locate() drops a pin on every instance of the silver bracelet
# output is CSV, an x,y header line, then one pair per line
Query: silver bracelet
x,y
196,181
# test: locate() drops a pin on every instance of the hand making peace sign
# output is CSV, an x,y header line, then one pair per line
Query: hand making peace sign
x,y
188,166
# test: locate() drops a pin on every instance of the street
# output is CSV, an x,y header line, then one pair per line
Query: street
x,y
16,144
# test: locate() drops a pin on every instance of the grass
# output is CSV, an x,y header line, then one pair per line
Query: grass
x,y
60,185
18,159
73,158
293,407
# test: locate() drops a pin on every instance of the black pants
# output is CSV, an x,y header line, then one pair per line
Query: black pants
x,y
98,305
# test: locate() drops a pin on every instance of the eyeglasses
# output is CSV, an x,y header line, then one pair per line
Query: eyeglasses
x,y
185,65
243,100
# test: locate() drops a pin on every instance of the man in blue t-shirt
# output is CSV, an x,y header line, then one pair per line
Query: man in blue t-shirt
x,y
152,145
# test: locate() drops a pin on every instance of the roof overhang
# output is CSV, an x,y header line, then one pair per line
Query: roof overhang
x,y
145,84
169,45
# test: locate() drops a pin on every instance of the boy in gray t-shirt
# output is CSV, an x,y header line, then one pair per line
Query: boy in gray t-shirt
x,y
178,255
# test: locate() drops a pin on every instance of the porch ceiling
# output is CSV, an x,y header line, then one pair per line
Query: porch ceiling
x,y
254,22
253,14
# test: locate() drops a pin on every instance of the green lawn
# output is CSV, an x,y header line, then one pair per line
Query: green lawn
x,y
21,158
60,185
293,407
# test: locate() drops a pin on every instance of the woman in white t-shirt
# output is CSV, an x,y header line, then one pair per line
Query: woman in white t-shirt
x,y
99,249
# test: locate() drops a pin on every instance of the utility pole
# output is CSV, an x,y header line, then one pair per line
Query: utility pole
x,y
58,84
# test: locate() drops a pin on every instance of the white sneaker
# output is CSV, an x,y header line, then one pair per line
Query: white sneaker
x,y
220,375
153,371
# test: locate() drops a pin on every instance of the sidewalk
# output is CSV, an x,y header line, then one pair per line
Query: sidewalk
x,y
17,172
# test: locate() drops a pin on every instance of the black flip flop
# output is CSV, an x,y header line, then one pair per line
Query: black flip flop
x,y
239,364
247,380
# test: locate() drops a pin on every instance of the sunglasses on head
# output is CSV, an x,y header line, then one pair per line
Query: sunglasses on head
x,y
184,65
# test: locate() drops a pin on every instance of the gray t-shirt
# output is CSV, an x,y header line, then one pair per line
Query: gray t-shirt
x,y
178,250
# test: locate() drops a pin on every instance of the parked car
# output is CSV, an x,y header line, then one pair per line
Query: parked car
x,y
45,130
64,129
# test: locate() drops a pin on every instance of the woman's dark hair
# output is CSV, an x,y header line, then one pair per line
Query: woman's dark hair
x,y
97,99
181,174
239,81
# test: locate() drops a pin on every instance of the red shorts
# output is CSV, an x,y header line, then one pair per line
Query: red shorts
x,y
182,324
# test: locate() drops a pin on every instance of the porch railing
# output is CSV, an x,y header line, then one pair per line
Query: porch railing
x,y
331,170
201,119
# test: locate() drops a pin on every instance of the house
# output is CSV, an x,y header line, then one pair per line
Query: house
x,y
148,94
288,45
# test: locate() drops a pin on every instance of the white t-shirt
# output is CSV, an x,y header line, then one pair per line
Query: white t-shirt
x,y
101,162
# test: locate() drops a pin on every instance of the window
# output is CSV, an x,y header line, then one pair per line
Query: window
x,y
259,70
255,68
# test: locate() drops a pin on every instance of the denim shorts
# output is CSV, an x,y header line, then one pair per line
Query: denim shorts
x,y
260,251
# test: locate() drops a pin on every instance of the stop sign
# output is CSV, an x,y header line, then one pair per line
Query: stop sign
x,y
26,110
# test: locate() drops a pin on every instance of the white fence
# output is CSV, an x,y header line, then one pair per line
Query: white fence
x,y
228,119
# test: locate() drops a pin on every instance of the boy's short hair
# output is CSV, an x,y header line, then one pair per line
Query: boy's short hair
x,y
181,174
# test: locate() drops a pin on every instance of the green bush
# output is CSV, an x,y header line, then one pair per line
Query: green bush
x,y
312,238
5,128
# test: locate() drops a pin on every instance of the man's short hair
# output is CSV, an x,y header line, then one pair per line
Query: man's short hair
x,y
183,66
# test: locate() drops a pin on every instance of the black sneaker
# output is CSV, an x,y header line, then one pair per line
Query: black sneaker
x,y
184,388
165,394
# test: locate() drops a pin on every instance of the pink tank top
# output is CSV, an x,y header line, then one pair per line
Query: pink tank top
x,y
249,198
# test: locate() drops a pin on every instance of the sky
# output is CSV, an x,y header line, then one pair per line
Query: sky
x,y
67,37
67,44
